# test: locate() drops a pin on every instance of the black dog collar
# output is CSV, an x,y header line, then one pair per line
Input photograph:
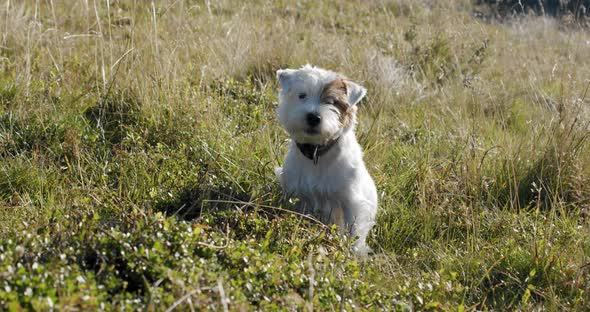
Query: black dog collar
x,y
314,151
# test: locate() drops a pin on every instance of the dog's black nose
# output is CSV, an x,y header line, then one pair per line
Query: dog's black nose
x,y
313,119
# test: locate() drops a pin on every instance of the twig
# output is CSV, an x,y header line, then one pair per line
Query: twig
x,y
183,298
222,295
266,206
311,282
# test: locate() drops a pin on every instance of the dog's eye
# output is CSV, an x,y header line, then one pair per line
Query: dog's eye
x,y
302,96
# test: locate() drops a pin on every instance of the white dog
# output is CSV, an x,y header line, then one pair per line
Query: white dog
x,y
324,166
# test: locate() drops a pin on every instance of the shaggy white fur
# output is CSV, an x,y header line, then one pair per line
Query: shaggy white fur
x,y
324,167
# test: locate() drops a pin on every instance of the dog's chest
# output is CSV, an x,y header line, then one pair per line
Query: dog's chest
x,y
324,179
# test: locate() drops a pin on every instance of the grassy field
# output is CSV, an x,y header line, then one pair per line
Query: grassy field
x,y
138,141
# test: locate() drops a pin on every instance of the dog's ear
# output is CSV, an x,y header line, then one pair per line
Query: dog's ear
x,y
355,92
284,77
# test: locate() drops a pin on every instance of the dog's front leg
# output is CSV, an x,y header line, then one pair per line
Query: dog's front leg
x,y
359,218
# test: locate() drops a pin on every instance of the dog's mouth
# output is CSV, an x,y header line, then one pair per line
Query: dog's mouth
x,y
310,136
312,131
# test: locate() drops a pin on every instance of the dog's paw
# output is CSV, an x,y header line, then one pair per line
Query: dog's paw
x,y
362,250
279,173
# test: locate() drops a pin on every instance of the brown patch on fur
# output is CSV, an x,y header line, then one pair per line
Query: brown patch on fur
x,y
334,93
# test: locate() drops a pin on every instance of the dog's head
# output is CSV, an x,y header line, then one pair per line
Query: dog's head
x,y
316,105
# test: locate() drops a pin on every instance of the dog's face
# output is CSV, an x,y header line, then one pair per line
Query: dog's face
x,y
316,105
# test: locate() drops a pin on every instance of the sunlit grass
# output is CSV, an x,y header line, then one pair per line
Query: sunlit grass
x,y
138,141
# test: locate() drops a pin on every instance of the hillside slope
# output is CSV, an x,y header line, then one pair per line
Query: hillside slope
x,y
138,141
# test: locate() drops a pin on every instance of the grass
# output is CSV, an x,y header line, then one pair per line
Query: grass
x,y
138,141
